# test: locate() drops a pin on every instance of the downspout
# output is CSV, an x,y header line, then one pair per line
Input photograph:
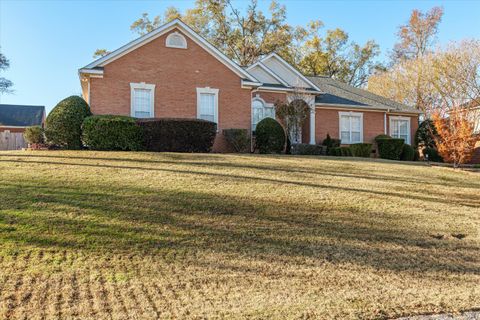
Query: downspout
x,y
385,121
251,119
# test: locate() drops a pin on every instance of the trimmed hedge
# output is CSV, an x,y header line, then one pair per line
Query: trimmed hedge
x,y
331,143
408,153
308,149
433,155
363,150
64,122
390,148
108,132
345,152
178,135
269,136
34,135
382,136
238,139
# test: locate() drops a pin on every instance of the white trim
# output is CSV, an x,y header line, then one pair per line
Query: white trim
x,y
269,71
385,123
90,71
350,114
312,125
162,30
176,34
273,89
286,64
142,85
208,90
408,119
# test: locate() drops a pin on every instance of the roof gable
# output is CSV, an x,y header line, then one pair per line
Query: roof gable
x,y
187,31
21,116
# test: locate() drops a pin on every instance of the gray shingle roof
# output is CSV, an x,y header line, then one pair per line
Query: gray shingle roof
x,y
21,116
342,94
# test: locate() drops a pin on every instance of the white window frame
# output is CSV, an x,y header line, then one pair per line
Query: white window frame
x,y
350,114
265,105
142,85
208,90
408,119
176,33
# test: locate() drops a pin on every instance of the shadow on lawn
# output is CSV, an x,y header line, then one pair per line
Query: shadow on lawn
x,y
468,202
107,218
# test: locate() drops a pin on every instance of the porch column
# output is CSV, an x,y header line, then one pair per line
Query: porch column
x,y
312,124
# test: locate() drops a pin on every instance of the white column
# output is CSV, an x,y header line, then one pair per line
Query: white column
x,y
312,124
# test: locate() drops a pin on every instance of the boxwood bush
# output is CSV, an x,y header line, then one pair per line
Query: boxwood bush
x,y
64,122
363,150
308,149
178,135
433,154
34,135
108,132
238,139
390,148
408,153
345,152
269,136
331,143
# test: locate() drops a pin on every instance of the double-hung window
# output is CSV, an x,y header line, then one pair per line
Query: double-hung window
x,y
207,104
400,128
142,100
351,127
260,111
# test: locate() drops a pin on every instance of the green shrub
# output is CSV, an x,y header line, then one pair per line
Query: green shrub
x,y
345,152
433,155
390,148
269,136
363,150
382,136
425,134
64,122
238,139
331,143
408,153
112,133
34,135
178,135
308,149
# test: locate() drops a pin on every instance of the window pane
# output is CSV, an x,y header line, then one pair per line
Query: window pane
x,y
355,123
207,106
355,137
403,127
345,123
345,136
142,103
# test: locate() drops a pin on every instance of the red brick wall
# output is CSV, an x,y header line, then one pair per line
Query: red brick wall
x,y
176,74
327,121
2,129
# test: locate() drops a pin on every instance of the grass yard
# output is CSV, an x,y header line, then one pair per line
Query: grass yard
x,y
97,235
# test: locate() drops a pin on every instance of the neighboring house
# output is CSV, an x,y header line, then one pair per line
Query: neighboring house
x,y
13,121
174,72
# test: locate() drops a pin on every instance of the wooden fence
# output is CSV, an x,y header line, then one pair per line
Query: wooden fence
x,y
12,140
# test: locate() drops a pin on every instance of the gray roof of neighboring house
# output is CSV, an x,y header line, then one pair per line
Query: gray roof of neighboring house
x,y
21,116
342,94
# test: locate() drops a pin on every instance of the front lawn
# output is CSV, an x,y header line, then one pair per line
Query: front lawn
x,y
97,235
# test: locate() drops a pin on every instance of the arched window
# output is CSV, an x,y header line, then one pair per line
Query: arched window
x,y
260,111
176,40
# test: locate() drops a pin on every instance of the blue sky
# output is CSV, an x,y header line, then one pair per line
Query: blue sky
x,y
47,41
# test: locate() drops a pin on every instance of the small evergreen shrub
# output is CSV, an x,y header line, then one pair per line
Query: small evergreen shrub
x,y
425,134
433,154
238,139
361,150
390,148
382,136
64,123
34,135
331,143
108,132
178,135
269,136
408,153
308,149
345,152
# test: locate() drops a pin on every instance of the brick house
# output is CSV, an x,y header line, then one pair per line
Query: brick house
x,y
174,72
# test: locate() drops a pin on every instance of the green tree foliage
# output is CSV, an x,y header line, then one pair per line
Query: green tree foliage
x,y
64,122
34,135
100,53
5,84
425,134
269,136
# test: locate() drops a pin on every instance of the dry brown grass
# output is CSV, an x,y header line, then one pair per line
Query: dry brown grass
x,y
91,235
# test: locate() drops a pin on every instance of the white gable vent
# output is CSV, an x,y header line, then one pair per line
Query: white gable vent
x,y
176,40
